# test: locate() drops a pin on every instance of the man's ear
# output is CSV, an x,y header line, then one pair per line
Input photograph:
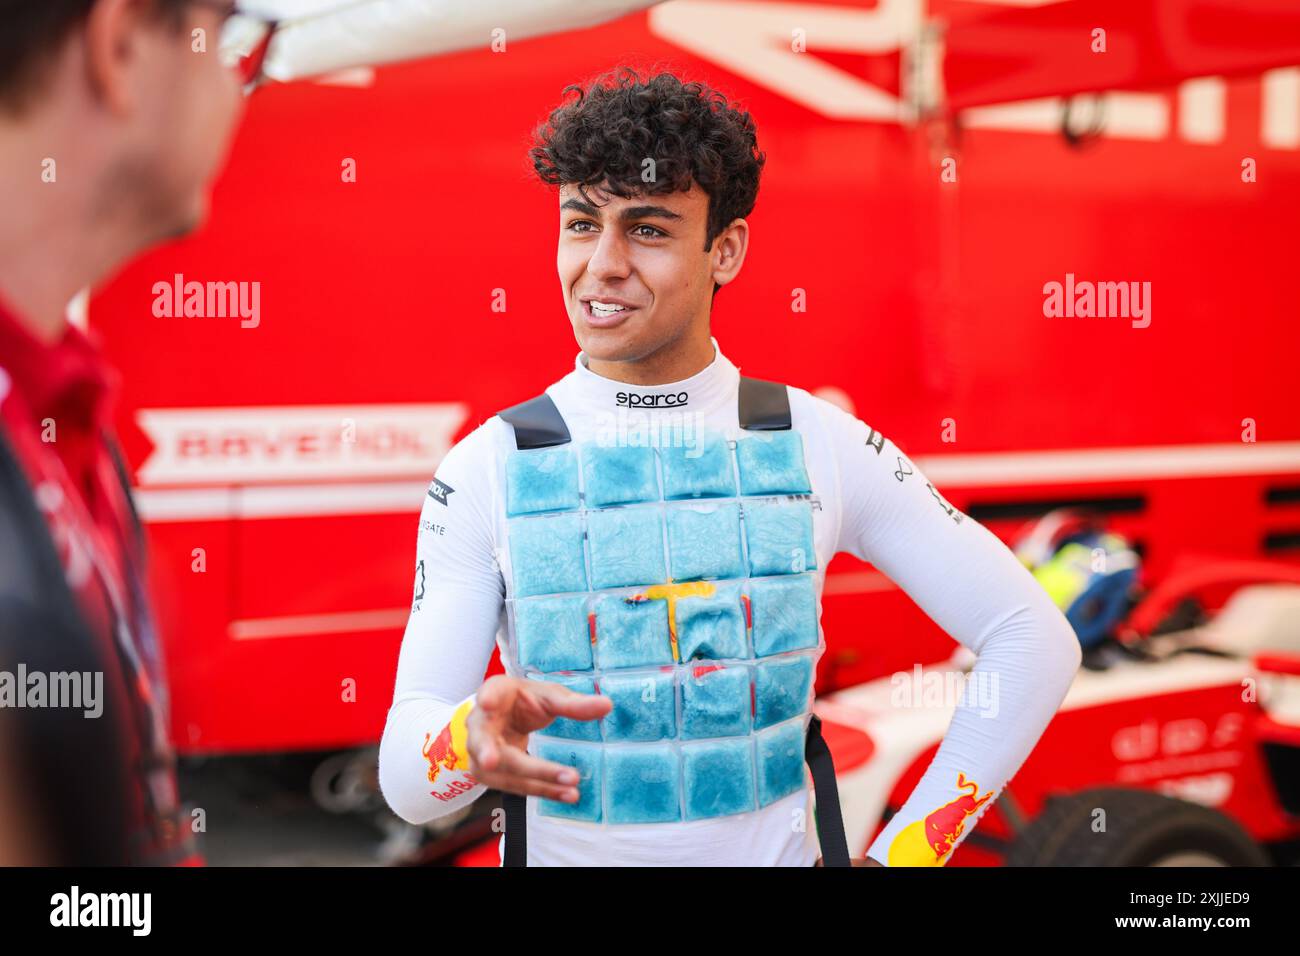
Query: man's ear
x,y
112,42
728,252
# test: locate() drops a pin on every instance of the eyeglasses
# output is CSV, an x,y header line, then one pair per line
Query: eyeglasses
x,y
244,41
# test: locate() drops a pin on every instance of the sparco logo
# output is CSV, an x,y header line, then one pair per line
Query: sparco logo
x,y
632,400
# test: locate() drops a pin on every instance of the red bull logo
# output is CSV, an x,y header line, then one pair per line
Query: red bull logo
x,y
944,827
448,750
930,841
439,753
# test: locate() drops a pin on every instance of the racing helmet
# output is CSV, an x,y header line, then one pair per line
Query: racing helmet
x,y
1088,571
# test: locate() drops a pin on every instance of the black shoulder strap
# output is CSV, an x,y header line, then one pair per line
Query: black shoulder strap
x,y
516,808
763,406
537,423
830,820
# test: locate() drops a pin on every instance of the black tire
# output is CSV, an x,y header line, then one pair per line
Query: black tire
x,y
1142,829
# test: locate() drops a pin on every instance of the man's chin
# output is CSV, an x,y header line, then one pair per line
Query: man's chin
x,y
188,220
607,345
198,215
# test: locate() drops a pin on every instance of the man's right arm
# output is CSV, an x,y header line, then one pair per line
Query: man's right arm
x,y
457,599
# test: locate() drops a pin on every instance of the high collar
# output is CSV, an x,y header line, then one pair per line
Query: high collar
x,y
715,383
66,380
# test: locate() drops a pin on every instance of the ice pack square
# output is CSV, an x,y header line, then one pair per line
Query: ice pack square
x,y
704,542
618,475
567,727
644,705
780,762
771,463
781,689
785,614
541,479
587,761
631,633
712,627
717,778
643,784
780,537
552,633
546,555
698,469
716,701
627,547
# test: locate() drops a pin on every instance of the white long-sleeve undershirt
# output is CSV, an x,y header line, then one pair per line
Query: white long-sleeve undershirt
x,y
875,504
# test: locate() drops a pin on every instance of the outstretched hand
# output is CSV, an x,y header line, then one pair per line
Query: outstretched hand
x,y
506,711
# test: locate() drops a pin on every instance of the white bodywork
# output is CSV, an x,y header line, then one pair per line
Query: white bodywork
x,y
1259,619
325,36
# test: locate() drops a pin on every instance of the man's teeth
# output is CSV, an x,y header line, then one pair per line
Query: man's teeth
x,y
602,308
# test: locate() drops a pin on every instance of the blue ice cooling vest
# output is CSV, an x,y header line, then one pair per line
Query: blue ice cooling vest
x,y
679,581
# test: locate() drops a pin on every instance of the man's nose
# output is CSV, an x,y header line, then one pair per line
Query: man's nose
x,y
609,260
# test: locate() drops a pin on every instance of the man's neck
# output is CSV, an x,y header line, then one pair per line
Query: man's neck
x,y
673,363
55,240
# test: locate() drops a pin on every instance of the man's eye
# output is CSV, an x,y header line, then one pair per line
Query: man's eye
x,y
652,234
578,225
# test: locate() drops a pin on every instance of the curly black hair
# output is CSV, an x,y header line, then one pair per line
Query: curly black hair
x,y
689,130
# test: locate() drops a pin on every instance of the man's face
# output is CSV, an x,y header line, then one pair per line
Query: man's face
x,y
186,108
634,271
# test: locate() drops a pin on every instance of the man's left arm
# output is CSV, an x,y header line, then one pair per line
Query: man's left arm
x,y
972,586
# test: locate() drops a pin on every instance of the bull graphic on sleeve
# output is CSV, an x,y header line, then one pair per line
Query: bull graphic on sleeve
x,y
448,750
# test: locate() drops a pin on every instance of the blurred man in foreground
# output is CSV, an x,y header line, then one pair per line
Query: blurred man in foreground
x,y
114,117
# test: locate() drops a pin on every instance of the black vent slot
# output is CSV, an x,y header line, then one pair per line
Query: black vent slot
x,y
983,511
1282,541
1282,495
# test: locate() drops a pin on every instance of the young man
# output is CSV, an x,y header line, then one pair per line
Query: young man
x,y
672,558
113,121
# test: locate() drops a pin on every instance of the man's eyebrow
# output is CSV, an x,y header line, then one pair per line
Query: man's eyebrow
x,y
647,212
628,214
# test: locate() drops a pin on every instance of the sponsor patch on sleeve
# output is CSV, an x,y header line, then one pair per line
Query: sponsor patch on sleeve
x,y
439,491
448,756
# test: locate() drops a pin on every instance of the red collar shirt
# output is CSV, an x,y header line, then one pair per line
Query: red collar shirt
x,y
55,409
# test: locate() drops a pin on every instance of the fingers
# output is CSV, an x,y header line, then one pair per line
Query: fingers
x,y
489,720
512,705
532,787
507,710
521,772
517,771
495,698
556,701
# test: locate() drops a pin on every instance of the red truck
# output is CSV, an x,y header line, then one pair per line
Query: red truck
x,y
387,258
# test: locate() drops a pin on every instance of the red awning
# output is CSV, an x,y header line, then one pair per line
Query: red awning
x,y
1024,53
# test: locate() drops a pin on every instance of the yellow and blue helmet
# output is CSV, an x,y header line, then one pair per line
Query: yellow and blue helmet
x,y
1089,572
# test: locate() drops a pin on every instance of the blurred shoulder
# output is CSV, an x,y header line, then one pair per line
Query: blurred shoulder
x,y
813,411
480,447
